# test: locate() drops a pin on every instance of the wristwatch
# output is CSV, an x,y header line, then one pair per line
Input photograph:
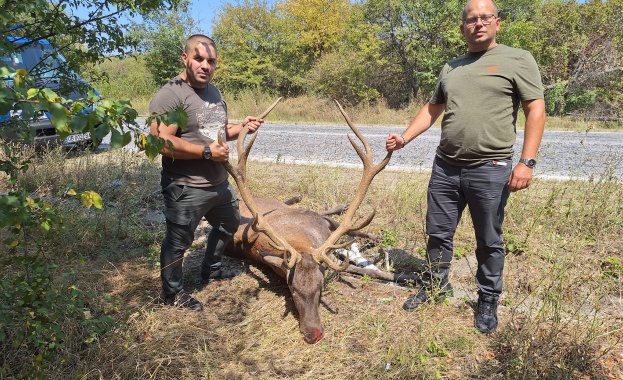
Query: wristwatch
x,y
529,162
207,153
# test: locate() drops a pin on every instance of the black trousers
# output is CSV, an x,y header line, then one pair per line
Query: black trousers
x,y
484,189
184,206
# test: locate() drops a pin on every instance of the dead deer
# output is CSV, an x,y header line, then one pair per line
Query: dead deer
x,y
294,242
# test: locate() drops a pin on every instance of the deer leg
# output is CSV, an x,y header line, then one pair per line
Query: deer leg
x,y
337,210
293,200
377,274
372,237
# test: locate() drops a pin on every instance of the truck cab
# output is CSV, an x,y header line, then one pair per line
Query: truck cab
x,y
48,67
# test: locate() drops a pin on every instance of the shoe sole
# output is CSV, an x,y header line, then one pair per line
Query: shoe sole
x,y
182,307
185,308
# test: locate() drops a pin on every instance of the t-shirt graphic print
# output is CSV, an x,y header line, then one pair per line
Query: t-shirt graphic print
x,y
211,119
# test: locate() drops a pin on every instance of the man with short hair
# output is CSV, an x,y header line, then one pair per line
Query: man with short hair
x,y
194,180
479,94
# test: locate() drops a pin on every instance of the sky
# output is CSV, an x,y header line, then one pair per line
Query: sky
x,y
204,11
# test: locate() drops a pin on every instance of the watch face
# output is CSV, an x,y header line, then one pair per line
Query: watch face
x,y
207,153
529,162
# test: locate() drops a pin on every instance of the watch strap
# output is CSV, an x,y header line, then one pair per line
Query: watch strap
x,y
207,153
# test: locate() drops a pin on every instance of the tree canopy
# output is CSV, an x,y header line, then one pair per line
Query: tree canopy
x,y
394,50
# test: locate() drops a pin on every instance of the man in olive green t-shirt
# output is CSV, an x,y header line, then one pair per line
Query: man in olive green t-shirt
x,y
479,95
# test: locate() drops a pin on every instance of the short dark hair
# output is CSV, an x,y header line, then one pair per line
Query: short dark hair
x,y
196,39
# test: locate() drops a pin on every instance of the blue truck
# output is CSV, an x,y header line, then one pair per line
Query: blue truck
x,y
48,67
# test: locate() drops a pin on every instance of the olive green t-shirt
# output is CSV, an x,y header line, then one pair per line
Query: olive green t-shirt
x,y
482,93
207,116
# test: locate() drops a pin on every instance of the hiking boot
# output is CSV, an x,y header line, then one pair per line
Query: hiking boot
x,y
408,278
220,274
486,319
414,301
183,300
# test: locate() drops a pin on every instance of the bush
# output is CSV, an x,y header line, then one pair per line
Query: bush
x,y
38,309
126,78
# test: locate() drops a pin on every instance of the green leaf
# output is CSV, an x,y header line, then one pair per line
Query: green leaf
x,y
59,116
5,72
6,102
49,95
152,152
32,92
97,200
18,81
178,117
46,225
79,123
119,140
91,198
28,111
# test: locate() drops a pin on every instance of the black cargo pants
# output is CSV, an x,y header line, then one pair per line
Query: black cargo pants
x,y
184,206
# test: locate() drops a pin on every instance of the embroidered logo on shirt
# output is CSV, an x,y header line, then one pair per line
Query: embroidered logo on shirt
x,y
493,69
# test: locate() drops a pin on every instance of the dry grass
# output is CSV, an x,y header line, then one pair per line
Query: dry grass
x,y
322,110
309,109
560,314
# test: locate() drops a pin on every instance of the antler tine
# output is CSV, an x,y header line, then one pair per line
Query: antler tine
x,y
239,175
270,108
243,152
260,225
369,172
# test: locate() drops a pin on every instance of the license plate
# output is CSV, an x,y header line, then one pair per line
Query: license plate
x,y
77,137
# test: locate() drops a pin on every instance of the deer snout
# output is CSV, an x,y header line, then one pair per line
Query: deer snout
x,y
313,336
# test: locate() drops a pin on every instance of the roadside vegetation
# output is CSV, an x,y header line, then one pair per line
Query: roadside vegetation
x,y
128,78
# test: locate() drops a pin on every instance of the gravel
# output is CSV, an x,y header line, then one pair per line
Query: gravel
x,y
562,155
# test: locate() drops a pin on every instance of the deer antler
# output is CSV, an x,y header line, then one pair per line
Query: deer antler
x,y
369,172
320,254
240,174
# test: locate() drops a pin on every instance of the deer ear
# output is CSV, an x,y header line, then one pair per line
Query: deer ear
x,y
271,259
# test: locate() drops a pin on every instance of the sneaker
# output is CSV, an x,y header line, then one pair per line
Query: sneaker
x,y
414,301
486,319
220,274
183,300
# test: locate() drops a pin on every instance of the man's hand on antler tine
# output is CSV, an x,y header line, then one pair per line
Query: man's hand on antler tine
x,y
220,151
252,123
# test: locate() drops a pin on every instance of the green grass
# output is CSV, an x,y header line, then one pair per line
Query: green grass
x,y
560,312
126,79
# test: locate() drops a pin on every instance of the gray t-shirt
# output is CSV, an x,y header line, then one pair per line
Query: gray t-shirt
x,y
482,93
207,116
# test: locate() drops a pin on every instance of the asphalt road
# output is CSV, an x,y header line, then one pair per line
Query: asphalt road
x,y
562,154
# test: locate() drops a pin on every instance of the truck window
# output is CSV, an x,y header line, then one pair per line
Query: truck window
x,y
40,60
